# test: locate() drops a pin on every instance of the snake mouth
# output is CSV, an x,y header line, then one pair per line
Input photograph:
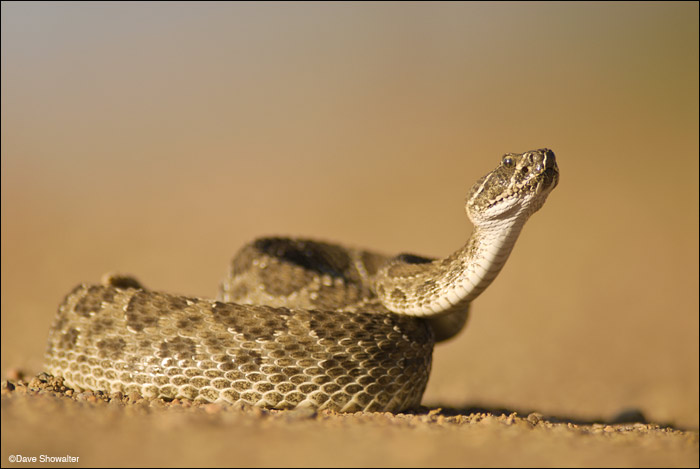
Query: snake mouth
x,y
531,187
550,178
551,172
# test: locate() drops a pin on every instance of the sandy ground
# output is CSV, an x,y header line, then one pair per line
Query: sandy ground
x,y
156,139
128,430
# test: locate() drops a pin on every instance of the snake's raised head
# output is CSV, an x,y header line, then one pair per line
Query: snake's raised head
x,y
499,204
517,187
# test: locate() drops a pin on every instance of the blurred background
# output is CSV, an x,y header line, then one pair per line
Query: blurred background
x,y
157,138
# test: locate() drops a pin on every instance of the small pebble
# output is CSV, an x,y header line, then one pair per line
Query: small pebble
x,y
157,403
8,386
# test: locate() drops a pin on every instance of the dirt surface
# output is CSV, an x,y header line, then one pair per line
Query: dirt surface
x,y
157,138
98,427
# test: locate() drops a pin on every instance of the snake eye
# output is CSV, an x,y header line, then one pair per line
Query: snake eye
x,y
508,161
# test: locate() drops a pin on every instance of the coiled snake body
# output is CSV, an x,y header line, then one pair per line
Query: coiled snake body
x,y
299,322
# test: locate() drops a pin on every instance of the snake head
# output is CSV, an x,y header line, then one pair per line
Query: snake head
x,y
516,188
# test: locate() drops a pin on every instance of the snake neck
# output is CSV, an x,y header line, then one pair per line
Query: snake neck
x,y
420,287
483,257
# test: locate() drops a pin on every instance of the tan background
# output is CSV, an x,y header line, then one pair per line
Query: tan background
x,y
156,139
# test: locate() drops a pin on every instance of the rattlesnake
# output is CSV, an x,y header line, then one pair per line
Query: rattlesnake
x,y
299,322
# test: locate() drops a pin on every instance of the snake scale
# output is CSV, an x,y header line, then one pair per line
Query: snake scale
x,y
299,322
